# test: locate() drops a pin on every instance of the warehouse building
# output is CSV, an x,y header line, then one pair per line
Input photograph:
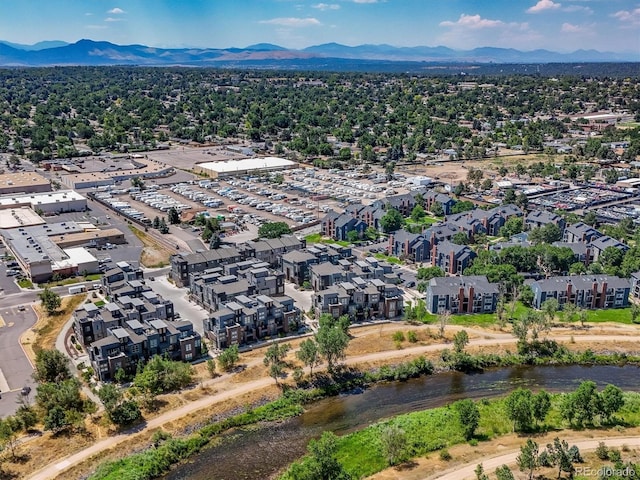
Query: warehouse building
x,y
47,202
245,166
23,182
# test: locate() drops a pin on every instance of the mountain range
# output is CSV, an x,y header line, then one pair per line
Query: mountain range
x,y
265,55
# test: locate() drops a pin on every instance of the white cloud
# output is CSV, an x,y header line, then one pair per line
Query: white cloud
x,y
88,14
116,11
95,27
578,9
293,22
111,19
472,22
326,6
570,28
543,5
365,1
629,17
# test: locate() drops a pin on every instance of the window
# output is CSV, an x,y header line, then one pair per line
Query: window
x,y
187,347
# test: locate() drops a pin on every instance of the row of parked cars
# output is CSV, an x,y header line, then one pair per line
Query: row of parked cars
x,y
187,190
160,201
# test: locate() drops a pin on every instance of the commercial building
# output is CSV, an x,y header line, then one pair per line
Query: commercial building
x,y
48,202
19,217
23,182
466,294
142,167
227,168
585,291
41,251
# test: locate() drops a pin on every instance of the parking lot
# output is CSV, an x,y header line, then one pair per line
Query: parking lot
x,y
579,198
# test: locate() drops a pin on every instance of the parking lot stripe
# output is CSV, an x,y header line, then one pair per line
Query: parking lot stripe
x,y
2,322
4,386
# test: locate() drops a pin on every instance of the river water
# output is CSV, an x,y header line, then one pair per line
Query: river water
x,y
257,453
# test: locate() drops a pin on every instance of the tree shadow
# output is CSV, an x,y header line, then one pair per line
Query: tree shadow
x,y
406,466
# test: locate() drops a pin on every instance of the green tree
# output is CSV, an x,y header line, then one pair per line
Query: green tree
x,y
211,367
418,213
332,340
611,401
437,209
352,236
469,417
273,230
229,358
512,226
161,375
392,220
321,463
529,459
561,456
509,196
540,406
569,311
9,429
549,308
460,238
519,406
51,366
463,206
460,340
50,300
173,216
274,359
479,471
504,473
581,406
427,273
309,354
394,444
137,182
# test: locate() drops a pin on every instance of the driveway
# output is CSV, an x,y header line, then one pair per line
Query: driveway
x,y
302,298
181,304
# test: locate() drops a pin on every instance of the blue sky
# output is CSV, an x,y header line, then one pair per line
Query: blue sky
x,y
559,25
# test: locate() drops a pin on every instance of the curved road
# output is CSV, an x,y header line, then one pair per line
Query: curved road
x,y
51,471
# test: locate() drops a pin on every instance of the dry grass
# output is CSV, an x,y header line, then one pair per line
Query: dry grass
x,y
44,333
424,467
154,254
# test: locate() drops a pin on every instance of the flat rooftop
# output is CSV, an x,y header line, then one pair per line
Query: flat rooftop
x,y
230,166
35,199
14,181
19,217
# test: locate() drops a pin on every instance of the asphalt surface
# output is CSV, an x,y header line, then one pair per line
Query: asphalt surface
x,y
15,368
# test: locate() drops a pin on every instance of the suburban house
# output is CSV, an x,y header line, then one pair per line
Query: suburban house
x,y
490,220
249,319
466,294
585,291
295,266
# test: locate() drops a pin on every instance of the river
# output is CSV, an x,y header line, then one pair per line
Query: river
x,y
257,453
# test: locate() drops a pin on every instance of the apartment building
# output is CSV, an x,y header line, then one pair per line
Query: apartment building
x,y
466,294
585,291
183,264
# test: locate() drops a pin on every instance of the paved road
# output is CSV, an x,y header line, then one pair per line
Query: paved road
x,y
54,470
490,464
181,304
15,367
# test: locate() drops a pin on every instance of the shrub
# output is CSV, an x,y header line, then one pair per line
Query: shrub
x,y
412,336
398,336
602,452
445,455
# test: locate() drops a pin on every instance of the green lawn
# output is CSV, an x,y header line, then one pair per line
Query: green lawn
x,y
25,283
619,315
99,303
479,319
72,280
388,258
317,238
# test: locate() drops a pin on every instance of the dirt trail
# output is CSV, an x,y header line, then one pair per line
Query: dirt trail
x,y
490,464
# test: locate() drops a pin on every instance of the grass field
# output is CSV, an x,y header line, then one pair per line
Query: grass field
x,y
388,258
318,238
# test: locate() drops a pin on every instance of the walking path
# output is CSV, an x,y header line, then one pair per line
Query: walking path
x,y
467,471
51,471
